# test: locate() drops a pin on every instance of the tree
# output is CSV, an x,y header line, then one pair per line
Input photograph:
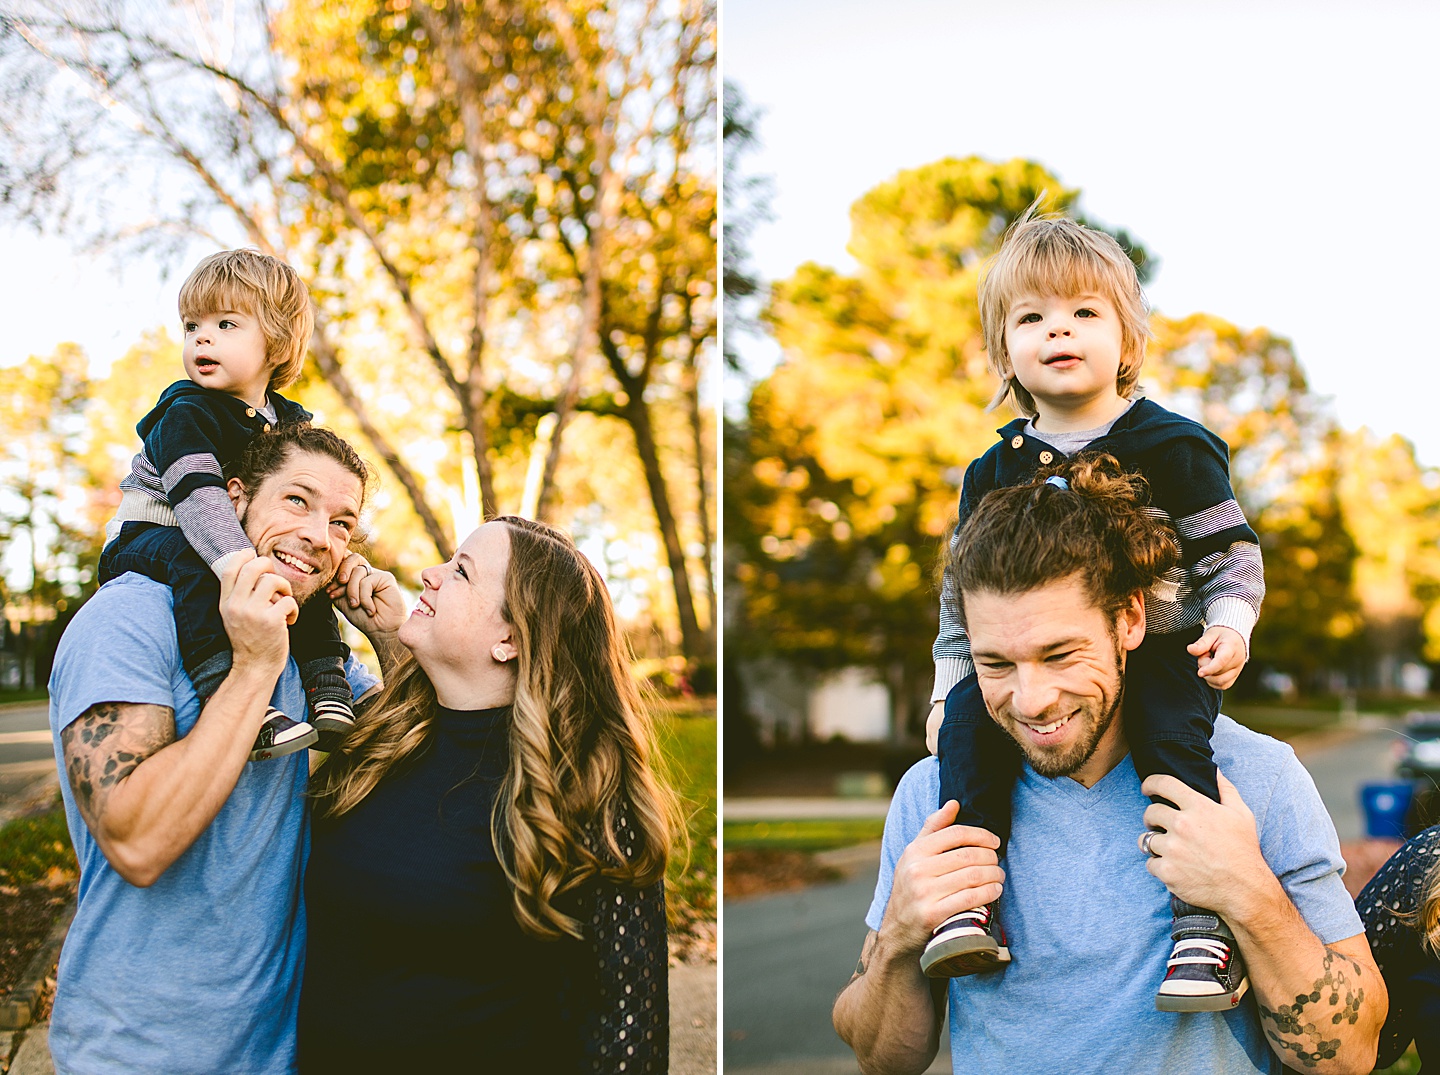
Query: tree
x,y
49,501
1286,456
1392,506
476,189
856,444
746,206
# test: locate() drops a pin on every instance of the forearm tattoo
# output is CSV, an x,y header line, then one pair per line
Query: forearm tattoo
x,y
1301,1027
105,744
870,939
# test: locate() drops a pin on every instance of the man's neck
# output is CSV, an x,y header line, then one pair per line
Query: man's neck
x,y
1065,417
1109,752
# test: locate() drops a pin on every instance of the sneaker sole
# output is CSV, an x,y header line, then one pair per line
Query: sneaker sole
x,y
331,724
1215,1002
279,750
961,957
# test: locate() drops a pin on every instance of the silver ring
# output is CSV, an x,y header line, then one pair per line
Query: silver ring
x,y
1145,840
367,570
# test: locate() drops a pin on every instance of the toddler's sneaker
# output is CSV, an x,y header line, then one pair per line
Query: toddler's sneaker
x,y
328,693
280,735
966,944
1206,972
332,717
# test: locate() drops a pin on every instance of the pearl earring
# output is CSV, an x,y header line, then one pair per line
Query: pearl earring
x,y
498,654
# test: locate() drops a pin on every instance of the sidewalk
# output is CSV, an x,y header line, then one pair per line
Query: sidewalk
x,y
802,808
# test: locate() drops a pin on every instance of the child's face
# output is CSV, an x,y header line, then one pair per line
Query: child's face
x,y
225,350
1065,349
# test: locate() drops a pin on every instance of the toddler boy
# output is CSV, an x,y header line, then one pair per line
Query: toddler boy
x,y
247,321
1065,326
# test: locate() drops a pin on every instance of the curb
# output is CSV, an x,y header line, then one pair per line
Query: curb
x,y
16,1012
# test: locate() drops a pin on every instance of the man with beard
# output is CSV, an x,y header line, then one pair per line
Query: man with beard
x,y
188,941
1052,577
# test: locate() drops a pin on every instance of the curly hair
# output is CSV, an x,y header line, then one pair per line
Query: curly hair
x,y
265,453
1097,525
582,753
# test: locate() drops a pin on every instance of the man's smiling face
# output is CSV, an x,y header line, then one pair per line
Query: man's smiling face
x,y
302,516
1050,665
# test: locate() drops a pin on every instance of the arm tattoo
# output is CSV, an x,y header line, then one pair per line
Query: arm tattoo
x,y
860,967
1335,998
105,744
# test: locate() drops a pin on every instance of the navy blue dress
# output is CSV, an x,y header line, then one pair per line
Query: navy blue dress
x,y
415,961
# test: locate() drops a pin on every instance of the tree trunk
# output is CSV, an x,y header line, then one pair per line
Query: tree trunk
x,y
697,433
692,639
329,366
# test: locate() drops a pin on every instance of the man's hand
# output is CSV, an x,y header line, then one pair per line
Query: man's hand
x,y
890,1013
932,726
368,598
1321,1006
1209,853
1222,655
256,605
947,869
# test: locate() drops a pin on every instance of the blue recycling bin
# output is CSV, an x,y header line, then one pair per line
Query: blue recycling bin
x,y
1386,804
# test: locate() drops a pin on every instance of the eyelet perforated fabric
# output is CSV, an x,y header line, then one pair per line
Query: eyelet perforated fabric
x,y
1395,891
628,1028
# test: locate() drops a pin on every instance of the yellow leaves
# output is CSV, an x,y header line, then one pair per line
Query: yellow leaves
x,y
896,575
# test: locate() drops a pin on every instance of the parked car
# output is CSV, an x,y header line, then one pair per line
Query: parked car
x,y
1419,755
1418,760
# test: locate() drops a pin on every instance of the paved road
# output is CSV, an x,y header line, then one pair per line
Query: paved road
x,y
787,955
1341,768
27,761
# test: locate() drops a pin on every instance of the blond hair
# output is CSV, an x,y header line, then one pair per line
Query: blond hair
x,y
580,777
248,281
1426,917
1045,254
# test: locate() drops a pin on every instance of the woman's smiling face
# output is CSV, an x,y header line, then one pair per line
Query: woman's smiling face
x,y
458,620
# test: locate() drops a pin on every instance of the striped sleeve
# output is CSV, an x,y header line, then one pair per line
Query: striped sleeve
x,y
1220,552
183,449
1231,586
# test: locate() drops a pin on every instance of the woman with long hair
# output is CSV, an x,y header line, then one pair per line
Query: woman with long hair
x,y
485,884
1401,909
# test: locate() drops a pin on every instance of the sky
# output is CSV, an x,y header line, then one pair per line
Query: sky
x,y
51,293
1277,157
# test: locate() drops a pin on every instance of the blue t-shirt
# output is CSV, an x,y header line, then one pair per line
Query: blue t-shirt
x,y
1088,925
200,972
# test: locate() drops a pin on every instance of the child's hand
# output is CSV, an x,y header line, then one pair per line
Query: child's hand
x,y
932,726
1222,655
367,597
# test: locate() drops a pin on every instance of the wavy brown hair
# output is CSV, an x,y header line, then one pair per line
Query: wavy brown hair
x,y
582,752
1426,919
1098,525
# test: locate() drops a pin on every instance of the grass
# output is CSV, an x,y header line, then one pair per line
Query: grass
x,y
807,835
1409,1064
39,694
688,744
31,848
